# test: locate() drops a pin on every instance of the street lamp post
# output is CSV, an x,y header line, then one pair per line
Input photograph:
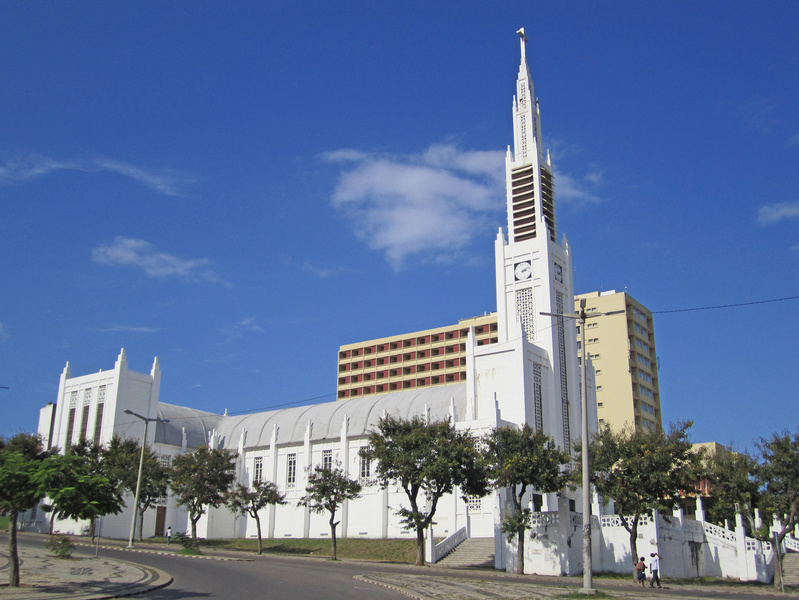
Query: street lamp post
x,y
588,575
147,421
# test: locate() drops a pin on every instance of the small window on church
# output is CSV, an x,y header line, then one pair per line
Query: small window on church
x,y
291,471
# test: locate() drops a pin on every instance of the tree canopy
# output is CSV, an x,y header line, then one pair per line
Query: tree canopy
x,y
120,463
524,459
201,479
251,500
21,457
642,471
327,489
427,460
778,473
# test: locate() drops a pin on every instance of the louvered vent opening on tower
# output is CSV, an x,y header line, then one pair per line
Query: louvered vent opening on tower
x,y
523,200
548,202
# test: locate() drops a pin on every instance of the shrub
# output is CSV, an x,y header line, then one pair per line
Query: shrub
x,y
60,545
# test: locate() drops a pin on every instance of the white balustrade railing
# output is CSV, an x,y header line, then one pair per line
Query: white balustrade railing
x,y
446,546
719,532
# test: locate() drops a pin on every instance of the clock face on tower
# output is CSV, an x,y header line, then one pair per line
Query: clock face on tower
x,y
558,273
523,270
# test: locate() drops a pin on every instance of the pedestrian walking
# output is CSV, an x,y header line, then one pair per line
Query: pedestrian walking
x,y
640,572
654,568
168,535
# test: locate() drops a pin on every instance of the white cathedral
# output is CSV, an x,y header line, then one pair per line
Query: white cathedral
x,y
531,375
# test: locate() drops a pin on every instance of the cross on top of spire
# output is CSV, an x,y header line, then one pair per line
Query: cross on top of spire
x,y
522,40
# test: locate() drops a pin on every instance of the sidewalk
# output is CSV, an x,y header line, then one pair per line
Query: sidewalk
x,y
44,576
454,586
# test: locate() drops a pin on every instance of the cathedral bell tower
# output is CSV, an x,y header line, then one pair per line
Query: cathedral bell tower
x,y
533,271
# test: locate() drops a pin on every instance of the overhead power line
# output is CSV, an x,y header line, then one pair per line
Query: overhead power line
x,y
678,310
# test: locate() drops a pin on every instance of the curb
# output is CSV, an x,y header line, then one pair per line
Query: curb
x,y
388,586
164,553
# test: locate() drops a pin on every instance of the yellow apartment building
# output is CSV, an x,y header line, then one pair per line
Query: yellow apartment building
x,y
622,351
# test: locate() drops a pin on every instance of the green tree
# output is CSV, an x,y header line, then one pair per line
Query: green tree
x,y
521,460
734,487
20,458
778,473
202,479
250,501
76,489
327,490
120,463
427,460
643,471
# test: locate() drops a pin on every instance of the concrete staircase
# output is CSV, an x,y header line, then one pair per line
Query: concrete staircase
x,y
473,552
790,568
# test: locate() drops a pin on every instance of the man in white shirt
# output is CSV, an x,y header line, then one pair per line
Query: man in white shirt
x,y
654,568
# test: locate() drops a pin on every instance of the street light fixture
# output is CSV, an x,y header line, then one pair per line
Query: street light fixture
x,y
588,575
147,421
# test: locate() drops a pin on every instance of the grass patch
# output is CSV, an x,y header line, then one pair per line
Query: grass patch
x,y
189,551
614,575
4,520
392,550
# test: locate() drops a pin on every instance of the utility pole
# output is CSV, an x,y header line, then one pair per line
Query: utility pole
x,y
147,421
588,575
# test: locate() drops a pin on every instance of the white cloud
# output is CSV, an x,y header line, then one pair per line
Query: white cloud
x,y
21,169
578,190
309,267
4,335
143,255
237,330
772,213
127,329
426,205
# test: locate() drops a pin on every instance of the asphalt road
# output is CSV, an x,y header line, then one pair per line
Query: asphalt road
x,y
263,577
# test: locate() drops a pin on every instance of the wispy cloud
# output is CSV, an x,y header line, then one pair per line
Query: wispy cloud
x,y
127,329
761,114
23,168
772,213
425,205
578,190
4,335
793,140
309,267
242,327
130,252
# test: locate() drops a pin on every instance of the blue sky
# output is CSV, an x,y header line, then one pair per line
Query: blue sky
x,y
238,188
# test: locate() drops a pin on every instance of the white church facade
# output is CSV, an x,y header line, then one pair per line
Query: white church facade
x,y
531,374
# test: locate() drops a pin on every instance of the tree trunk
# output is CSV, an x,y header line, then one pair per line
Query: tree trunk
x,y
333,536
141,523
258,525
194,530
419,546
520,552
633,531
13,555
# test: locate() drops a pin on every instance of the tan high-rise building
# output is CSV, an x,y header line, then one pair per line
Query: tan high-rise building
x,y
411,360
622,351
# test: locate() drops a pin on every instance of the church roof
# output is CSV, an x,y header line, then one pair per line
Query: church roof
x,y
326,419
